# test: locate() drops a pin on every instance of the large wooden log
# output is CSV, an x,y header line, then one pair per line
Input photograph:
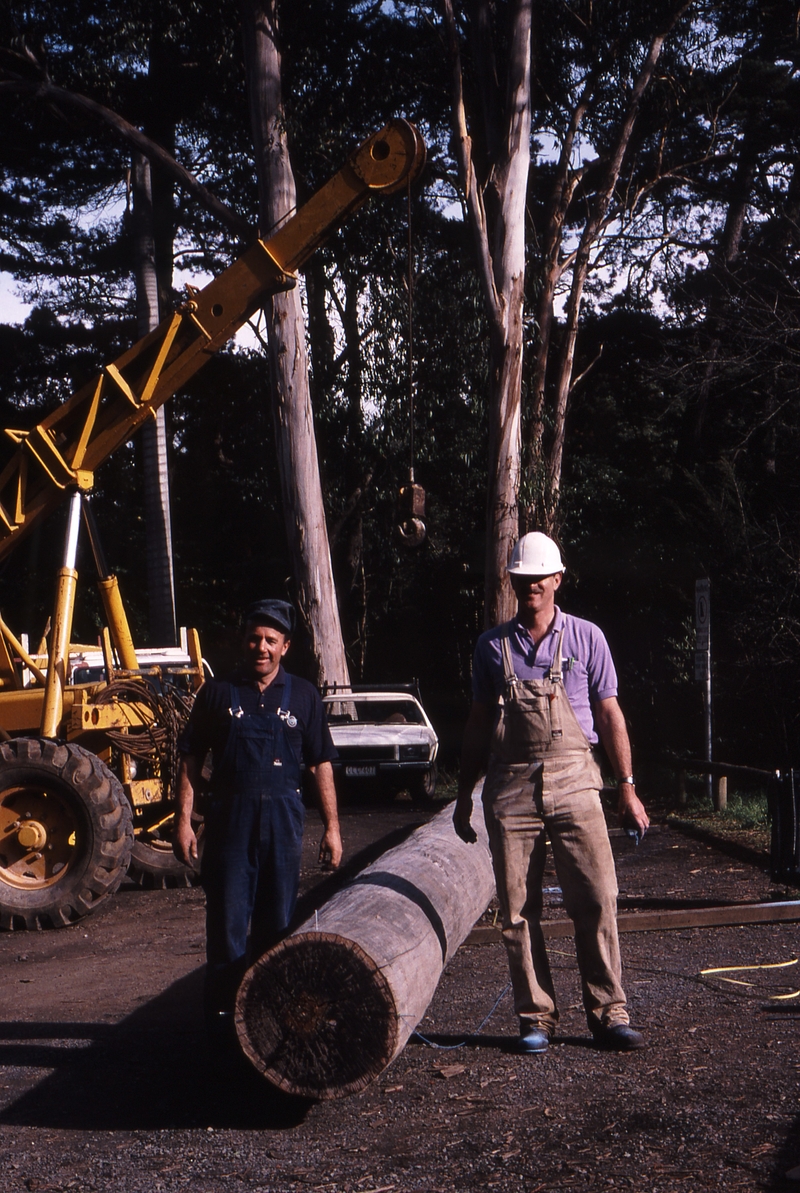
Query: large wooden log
x,y
323,1013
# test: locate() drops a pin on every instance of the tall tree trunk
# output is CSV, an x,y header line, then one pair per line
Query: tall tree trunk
x,y
158,527
350,556
580,270
552,267
294,423
695,420
496,213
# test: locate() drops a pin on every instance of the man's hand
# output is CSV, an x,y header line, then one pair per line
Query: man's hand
x,y
184,843
330,848
462,815
630,809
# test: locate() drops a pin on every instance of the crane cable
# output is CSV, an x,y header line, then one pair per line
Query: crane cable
x,y
411,528
410,350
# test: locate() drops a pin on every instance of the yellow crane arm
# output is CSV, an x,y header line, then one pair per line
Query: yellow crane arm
x,y
63,451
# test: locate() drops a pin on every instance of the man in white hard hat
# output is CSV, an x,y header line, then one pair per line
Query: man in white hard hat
x,y
544,692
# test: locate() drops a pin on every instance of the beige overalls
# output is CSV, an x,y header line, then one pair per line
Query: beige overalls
x,y
542,781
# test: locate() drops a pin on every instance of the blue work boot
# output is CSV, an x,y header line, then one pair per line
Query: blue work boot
x,y
532,1038
618,1037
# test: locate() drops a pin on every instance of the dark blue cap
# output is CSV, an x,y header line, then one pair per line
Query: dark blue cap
x,y
279,614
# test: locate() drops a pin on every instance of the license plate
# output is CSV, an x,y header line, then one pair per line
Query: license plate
x,y
361,772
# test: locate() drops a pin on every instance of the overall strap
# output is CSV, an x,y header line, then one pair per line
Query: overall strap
x,y
285,712
509,675
556,668
556,727
235,709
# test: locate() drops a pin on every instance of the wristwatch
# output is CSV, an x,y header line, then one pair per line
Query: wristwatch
x,y
627,779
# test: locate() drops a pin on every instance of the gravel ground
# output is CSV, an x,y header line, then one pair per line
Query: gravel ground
x,y
105,1083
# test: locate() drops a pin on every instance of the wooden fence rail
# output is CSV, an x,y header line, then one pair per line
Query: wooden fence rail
x,y
721,772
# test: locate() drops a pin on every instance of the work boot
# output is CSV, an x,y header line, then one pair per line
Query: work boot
x,y
618,1037
532,1038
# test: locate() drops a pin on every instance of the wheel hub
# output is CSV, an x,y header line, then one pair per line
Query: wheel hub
x,y
32,835
38,843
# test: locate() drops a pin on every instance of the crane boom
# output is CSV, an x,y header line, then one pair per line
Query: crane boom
x,y
64,450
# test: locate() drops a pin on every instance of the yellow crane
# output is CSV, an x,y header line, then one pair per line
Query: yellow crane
x,y
84,769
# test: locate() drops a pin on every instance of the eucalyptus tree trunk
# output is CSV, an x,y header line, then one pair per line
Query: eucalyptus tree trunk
x,y
690,439
580,270
298,465
153,438
547,460
495,191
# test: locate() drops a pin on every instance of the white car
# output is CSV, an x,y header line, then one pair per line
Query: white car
x,y
384,734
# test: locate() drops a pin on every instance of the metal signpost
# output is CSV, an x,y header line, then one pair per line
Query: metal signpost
x,y
702,658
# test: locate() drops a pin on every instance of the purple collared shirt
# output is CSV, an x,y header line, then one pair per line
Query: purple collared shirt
x,y
588,669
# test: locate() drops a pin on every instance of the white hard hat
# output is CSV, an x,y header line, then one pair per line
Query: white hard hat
x,y
535,555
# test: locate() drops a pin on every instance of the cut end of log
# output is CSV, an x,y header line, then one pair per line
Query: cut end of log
x,y
316,1016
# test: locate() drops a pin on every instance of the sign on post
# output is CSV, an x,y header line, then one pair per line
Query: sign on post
x,y
702,657
702,621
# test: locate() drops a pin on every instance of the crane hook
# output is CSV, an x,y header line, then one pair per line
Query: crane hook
x,y
411,528
412,532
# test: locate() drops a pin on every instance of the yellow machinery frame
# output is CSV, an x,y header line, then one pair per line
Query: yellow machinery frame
x,y
53,734
60,455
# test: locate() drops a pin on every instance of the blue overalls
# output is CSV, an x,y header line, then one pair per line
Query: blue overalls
x,y
253,844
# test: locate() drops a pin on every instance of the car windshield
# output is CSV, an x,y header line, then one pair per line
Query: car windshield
x,y
375,712
88,675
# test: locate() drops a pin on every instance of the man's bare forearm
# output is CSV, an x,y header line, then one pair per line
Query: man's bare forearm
x,y
184,841
474,756
613,732
326,794
331,845
188,782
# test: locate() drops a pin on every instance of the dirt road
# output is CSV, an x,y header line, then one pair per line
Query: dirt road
x,y
105,1084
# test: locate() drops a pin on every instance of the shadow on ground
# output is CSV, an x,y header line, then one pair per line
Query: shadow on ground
x,y
152,1070
788,1160
505,1044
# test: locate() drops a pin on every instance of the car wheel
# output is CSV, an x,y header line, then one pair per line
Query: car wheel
x,y
423,786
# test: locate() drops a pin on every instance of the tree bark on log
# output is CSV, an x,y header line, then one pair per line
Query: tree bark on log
x,y
323,1013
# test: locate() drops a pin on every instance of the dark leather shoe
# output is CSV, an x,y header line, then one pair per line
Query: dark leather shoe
x,y
619,1037
533,1039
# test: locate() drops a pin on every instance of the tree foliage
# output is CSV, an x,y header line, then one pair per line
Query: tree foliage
x,y
673,455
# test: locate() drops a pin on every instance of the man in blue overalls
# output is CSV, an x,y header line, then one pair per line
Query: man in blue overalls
x,y
258,728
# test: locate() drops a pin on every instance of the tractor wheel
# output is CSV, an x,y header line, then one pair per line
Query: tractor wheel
x,y
65,833
153,864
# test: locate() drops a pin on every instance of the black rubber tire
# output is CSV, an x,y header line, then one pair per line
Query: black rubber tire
x,y
423,787
100,817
